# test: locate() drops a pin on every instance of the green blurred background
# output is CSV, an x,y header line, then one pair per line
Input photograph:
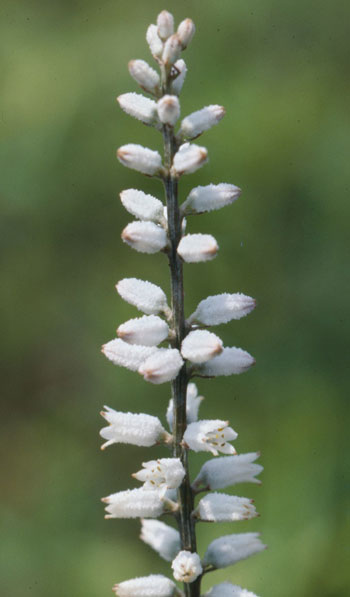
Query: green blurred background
x,y
281,70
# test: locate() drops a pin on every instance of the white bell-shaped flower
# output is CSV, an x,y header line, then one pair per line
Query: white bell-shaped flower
x,y
145,76
154,585
210,436
226,589
161,474
144,295
142,206
145,237
164,366
231,361
165,540
192,405
155,43
186,31
220,507
210,197
177,83
148,330
140,158
200,346
168,109
132,428
188,159
186,566
195,124
134,503
229,549
127,355
219,473
196,248
222,308
165,23
172,50
139,107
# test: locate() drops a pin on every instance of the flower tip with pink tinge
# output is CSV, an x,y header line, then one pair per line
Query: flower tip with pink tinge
x,y
164,366
140,158
196,248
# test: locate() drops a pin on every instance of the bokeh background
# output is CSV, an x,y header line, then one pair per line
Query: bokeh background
x,y
281,70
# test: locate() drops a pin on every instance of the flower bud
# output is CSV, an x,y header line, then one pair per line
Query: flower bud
x,y
200,346
210,436
163,367
172,50
148,330
161,474
195,124
194,248
154,41
144,295
139,107
186,31
127,355
220,507
178,82
142,206
192,405
140,158
186,566
130,428
145,237
154,585
231,361
222,308
165,540
145,76
226,589
219,473
210,197
230,549
188,159
169,109
134,503
165,22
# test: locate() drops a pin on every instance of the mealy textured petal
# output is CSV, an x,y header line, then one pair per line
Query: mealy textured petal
x,y
132,428
192,405
186,566
134,503
177,83
148,330
195,124
162,366
220,507
142,206
219,473
186,31
144,295
154,41
226,589
231,361
155,585
210,436
165,540
139,107
210,197
144,75
140,158
165,23
145,237
168,109
188,159
127,355
200,346
230,549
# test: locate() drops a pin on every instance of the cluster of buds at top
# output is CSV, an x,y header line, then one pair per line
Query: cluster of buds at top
x,y
162,346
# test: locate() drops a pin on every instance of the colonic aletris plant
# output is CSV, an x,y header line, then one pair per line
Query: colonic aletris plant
x,y
190,348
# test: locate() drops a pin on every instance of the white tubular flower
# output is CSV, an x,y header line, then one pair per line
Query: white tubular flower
x,y
230,470
196,123
140,158
200,346
186,31
172,50
188,159
148,330
220,507
154,585
132,428
165,540
142,206
178,82
231,361
226,589
230,549
145,76
165,22
222,308
161,474
196,248
134,503
186,566
139,107
162,366
210,436
210,197
145,237
168,109
154,41
192,405
127,355
147,297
